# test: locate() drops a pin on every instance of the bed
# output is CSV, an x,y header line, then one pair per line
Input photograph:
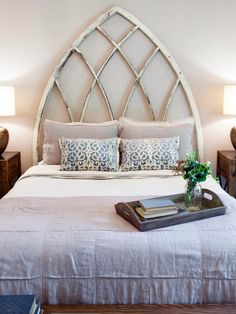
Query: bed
x,y
61,238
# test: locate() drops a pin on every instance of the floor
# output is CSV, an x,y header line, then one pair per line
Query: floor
x,y
141,309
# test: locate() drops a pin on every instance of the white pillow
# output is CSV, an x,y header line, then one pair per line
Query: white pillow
x,y
53,130
131,129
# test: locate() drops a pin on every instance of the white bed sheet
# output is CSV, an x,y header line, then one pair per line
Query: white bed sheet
x,y
49,181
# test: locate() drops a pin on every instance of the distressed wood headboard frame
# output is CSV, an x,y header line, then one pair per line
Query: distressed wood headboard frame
x,y
54,82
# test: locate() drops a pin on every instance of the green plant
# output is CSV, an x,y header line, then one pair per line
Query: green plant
x,y
192,170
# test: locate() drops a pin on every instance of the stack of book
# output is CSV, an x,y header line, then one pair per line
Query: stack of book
x,y
19,304
156,207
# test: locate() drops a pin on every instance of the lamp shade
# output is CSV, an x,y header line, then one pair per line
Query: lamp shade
x,y
7,101
229,99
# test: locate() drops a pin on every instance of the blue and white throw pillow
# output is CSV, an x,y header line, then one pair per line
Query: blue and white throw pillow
x,y
149,153
89,154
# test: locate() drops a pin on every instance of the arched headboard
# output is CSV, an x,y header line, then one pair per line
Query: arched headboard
x,y
117,67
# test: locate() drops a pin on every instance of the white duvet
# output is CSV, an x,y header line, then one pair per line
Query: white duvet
x,y
62,240
49,181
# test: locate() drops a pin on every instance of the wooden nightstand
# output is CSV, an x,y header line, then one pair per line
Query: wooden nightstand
x,y
10,171
226,167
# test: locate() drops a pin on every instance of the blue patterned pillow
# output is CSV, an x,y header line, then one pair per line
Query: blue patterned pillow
x,y
89,154
149,154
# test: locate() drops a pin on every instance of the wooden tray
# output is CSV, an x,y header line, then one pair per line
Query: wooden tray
x,y
211,207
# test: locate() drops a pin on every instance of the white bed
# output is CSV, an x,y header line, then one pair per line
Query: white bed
x,y
75,249
62,240
47,180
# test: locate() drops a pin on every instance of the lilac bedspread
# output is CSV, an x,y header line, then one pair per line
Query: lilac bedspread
x,y
78,250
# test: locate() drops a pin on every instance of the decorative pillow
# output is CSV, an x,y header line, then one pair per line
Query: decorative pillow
x,y
149,154
131,129
53,130
89,154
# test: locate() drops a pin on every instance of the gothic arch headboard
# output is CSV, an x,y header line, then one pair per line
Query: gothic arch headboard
x,y
117,67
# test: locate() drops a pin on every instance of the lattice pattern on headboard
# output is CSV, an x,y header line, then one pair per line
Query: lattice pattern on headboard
x,y
103,77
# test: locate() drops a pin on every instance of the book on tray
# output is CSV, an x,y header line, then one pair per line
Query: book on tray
x,y
20,304
155,207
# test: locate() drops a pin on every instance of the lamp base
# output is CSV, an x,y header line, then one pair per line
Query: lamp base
x,y
4,138
233,136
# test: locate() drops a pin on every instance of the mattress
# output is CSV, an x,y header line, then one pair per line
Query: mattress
x,y
62,240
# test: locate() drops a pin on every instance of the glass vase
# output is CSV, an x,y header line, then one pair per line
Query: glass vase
x,y
193,198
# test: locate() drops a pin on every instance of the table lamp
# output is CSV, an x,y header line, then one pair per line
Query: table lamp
x,y
7,108
230,108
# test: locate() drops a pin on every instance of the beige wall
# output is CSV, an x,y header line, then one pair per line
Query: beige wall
x,y
200,34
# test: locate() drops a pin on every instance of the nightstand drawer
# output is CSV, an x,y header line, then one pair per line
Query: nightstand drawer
x,y
10,171
226,170
14,165
223,165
